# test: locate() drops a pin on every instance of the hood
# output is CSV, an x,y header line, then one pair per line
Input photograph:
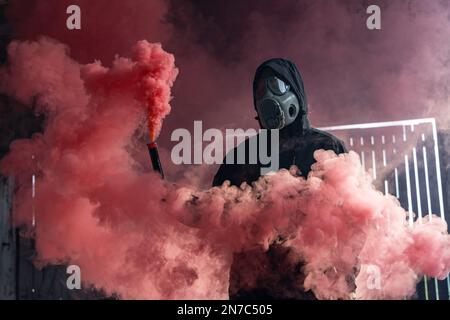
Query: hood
x,y
287,71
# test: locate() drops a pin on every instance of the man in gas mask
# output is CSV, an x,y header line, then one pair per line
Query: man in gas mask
x,y
280,102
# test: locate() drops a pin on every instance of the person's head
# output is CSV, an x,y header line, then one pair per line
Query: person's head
x,y
279,95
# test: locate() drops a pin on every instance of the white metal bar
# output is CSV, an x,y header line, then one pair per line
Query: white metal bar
x,y
379,124
33,195
408,191
439,182
438,170
427,189
419,211
416,179
33,213
397,189
427,182
374,166
425,282
436,288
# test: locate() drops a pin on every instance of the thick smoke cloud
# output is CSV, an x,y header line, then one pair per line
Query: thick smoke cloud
x,y
352,74
138,236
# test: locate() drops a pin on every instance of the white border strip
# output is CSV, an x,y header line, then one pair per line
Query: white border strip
x,y
381,124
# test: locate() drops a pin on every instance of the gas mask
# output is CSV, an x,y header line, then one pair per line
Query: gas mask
x,y
276,104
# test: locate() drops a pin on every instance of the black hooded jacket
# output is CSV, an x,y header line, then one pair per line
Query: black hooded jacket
x,y
278,272
298,141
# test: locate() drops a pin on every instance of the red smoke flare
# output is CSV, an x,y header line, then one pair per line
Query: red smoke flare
x,y
140,237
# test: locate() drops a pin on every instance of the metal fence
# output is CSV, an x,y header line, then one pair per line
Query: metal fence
x,y
403,158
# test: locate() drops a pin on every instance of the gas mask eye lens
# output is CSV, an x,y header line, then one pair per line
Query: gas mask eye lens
x,y
277,86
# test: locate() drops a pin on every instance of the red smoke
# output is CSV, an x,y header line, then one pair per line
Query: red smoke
x,y
148,77
107,27
352,74
140,237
